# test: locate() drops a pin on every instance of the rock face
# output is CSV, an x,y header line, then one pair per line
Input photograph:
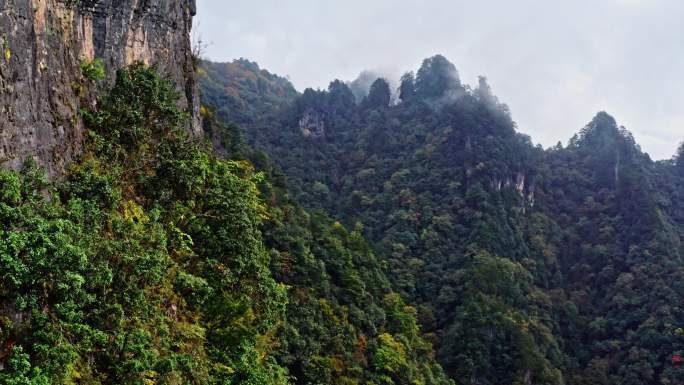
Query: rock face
x,y
312,124
44,43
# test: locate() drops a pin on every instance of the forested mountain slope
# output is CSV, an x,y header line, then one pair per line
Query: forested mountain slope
x,y
155,261
529,266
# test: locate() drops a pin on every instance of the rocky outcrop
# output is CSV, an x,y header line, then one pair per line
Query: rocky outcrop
x,y
312,124
44,44
520,183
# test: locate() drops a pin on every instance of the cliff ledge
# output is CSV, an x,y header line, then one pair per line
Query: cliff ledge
x,y
44,43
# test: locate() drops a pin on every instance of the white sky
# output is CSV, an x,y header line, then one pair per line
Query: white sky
x,y
555,63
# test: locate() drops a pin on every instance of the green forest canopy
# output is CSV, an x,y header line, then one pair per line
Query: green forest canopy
x,y
154,261
557,266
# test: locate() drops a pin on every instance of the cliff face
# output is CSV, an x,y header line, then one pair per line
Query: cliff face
x,y
44,43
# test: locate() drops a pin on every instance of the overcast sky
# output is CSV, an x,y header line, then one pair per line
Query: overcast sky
x,y
555,63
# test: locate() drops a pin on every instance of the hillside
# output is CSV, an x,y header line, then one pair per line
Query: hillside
x,y
364,234
154,261
529,266
242,91
131,252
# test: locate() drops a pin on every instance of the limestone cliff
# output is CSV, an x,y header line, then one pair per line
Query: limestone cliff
x,y
44,43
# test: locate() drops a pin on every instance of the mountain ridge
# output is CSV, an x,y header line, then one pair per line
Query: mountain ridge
x,y
448,190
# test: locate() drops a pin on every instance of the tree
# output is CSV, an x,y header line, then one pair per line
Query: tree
x,y
407,89
484,91
379,95
435,77
679,159
340,97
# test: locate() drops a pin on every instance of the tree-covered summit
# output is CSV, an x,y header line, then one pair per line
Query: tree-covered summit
x,y
529,266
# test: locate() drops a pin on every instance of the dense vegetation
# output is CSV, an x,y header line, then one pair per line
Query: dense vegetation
x,y
155,261
334,237
241,90
526,266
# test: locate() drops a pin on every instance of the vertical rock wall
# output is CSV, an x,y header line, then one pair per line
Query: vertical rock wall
x,y
44,42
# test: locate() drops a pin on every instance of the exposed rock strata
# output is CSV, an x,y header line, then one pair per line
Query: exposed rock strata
x,y
43,45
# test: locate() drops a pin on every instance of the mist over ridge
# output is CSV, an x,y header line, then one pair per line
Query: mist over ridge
x,y
555,65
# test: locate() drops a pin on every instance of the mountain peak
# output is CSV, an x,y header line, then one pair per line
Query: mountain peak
x,y
603,121
436,77
604,132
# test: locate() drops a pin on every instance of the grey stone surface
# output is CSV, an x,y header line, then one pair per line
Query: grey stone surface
x,y
44,42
